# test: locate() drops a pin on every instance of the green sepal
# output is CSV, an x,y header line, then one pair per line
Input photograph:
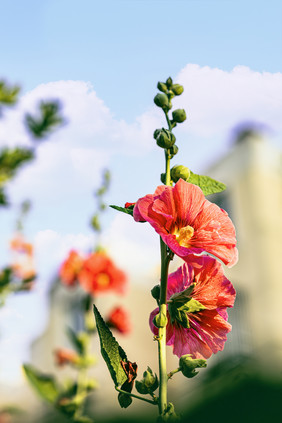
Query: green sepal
x,y
208,185
188,365
181,304
128,210
45,385
111,351
148,384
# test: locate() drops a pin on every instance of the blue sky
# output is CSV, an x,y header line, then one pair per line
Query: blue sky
x,y
103,59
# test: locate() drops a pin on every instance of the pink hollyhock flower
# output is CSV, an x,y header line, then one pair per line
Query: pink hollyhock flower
x,y
198,295
70,268
100,274
187,222
119,319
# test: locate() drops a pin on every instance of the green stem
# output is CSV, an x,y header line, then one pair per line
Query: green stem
x,y
135,396
170,374
162,331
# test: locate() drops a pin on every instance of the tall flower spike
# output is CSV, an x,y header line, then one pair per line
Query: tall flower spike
x,y
198,295
188,223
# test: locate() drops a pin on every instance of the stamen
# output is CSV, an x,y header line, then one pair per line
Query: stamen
x,y
183,236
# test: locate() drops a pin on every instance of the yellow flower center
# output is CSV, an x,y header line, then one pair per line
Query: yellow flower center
x,y
183,236
103,280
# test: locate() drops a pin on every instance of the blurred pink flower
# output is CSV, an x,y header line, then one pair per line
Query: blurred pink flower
x,y
100,274
119,319
187,222
197,318
70,268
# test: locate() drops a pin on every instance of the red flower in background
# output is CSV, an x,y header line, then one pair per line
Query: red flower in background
x,y
198,295
23,262
100,274
70,268
187,222
119,319
64,356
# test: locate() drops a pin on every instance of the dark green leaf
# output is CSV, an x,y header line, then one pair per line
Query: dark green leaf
x,y
207,184
8,95
41,126
112,353
123,209
76,341
45,385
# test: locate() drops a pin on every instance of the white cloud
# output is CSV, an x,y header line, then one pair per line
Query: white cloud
x,y
217,100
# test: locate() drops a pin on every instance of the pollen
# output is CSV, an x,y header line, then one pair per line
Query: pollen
x,y
183,236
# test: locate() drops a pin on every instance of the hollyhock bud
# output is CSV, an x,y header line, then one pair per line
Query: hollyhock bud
x,y
173,150
179,172
160,320
161,100
156,292
148,384
179,115
163,177
177,89
169,82
162,87
165,138
124,400
188,365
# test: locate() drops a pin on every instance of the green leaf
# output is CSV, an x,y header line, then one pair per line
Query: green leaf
x,y
50,118
123,209
110,350
8,94
207,184
76,341
45,385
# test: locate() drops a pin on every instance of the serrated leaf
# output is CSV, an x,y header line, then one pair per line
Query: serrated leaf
x,y
123,209
45,385
208,185
110,350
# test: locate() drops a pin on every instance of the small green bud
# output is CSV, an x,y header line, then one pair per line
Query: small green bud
x,y
170,94
163,180
162,87
157,289
160,320
165,138
169,105
161,100
173,150
169,83
179,172
95,223
188,365
177,89
156,133
148,384
124,400
179,115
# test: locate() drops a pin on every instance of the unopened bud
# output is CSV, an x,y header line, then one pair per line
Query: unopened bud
x,y
179,115
169,83
161,100
188,365
148,384
160,320
179,172
163,178
173,150
165,138
162,87
157,289
177,89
